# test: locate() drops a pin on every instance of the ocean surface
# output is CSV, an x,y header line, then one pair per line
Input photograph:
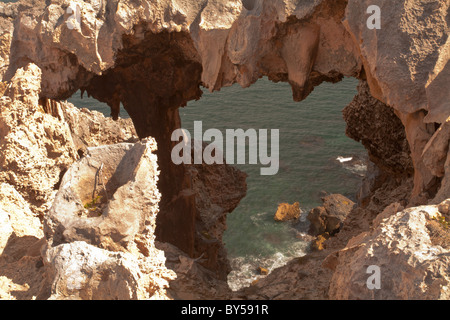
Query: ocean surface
x,y
314,160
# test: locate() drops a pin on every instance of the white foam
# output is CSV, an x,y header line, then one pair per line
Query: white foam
x,y
342,159
245,268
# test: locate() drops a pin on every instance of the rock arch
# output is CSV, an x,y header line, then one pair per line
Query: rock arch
x,y
154,56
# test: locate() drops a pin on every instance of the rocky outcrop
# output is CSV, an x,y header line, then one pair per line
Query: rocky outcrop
x,y
84,190
116,45
400,245
286,212
41,137
105,212
153,56
331,215
217,190
380,131
38,145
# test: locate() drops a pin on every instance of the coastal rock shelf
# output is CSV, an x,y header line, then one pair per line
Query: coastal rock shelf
x,y
152,57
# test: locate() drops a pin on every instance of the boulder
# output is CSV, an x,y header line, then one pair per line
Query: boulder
x,y
79,271
329,217
106,198
263,271
288,212
412,265
444,207
318,244
100,241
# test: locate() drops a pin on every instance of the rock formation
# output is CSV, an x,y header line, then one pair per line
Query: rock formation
x,y
331,215
152,57
287,212
411,265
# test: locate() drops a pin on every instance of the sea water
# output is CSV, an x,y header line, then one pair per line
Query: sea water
x,y
316,158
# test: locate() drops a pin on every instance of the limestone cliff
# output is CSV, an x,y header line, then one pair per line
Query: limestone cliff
x,y
152,56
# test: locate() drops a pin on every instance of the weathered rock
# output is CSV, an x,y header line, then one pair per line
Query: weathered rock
x,y
301,278
35,147
78,270
318,244
22,220
412,267
436,158
398,77
217,190
286,212
123,179
444,207
39,138
404,86
21,236
263,271
316,218
380,131
122,51
91,128
5,229
193,281
444,190
330,216
436,151
337,205
105,212
113,46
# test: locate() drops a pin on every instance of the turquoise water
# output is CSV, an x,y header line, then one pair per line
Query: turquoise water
x,y
312,139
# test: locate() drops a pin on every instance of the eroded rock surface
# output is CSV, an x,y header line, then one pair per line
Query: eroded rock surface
x,y
153,56
411,265
286,212
37,147
330,216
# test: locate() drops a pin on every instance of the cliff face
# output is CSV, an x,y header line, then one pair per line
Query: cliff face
x,y
122,52
152,56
